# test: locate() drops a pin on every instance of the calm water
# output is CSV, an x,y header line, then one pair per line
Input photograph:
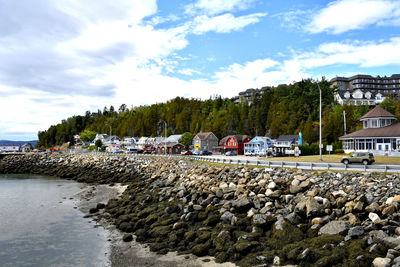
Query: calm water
x,y
40,227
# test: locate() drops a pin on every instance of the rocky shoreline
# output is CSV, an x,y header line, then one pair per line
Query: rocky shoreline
x,y
249,216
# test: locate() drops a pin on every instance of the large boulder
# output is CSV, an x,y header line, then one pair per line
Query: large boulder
x,y
334,228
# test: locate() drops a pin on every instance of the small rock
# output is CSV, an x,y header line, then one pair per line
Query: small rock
x,y
374,217
276,261
127,238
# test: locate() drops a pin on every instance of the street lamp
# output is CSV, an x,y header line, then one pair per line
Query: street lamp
x,y
320,122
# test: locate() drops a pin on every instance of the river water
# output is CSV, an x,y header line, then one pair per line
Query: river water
x,y
40,227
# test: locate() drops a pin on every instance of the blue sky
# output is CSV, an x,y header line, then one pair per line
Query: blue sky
x,y
61,58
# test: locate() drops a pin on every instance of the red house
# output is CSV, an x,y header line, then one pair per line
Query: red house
x,y
234,143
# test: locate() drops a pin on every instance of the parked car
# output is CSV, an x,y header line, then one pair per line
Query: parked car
x,y
147,151
117,151
230,153
197,152
359,157
131,150
206,153
186,153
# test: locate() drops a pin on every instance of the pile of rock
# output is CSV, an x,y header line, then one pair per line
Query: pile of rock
x,y
251,216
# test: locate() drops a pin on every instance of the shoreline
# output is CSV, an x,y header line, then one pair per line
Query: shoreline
x,y
249,216
131,254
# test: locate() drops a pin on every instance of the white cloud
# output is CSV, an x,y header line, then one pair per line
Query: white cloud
x,y
188,72
224,23
213,7
345,15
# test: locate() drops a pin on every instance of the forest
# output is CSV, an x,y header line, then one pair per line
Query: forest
x,y
285,109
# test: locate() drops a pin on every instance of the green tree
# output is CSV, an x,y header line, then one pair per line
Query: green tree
x,y
98,143
87,135
186,139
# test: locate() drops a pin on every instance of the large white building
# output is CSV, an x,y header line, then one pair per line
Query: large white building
x,y
380,133
9,148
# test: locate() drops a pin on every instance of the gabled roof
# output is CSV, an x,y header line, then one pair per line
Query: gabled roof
x,y
342,92
388,131
286,138
239,138
204,135
378,112
174,138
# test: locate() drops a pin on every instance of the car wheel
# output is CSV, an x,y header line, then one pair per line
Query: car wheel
x,y
346,161
365,162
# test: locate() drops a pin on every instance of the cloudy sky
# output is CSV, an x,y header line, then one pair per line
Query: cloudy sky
x,y
61,58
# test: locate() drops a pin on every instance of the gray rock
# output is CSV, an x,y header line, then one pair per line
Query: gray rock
x,y
313,208
227,216
356,231
334,228
259,219
242,204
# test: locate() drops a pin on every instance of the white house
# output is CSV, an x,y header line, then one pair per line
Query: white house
x,y
9,148
359,97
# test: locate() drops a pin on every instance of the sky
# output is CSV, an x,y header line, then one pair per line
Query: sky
x,y
62,58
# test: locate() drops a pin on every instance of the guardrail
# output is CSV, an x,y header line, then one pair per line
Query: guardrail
x,y
304,165
281,164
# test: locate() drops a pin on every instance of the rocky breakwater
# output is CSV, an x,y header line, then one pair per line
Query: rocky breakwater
x,y
251,216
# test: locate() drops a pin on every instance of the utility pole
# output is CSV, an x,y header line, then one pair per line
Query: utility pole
x,y
320,122
344,119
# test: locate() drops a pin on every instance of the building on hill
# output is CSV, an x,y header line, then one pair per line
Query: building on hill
x,y
380,134
365,89
359,97
205,141
250,93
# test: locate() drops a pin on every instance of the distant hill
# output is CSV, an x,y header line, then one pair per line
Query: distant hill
x,y
16,143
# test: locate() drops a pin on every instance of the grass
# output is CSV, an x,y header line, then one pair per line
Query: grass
x,y
335,158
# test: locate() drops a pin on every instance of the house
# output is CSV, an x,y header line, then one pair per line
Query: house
x,y
9,148
170,148
233,143
27,147
205,141
359,97
258,146
112,140
380,134
128,141
142,142
285,142
153,142
100,137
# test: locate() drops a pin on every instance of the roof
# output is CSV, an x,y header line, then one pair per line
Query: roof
x,y
378,112
239,139
388,131
285,138
174,138
259,139
204,135
170,144
342,92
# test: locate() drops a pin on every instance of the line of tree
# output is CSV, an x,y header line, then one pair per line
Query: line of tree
x,y
286,109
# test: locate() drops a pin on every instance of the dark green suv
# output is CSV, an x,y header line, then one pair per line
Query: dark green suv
x,y
359,157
